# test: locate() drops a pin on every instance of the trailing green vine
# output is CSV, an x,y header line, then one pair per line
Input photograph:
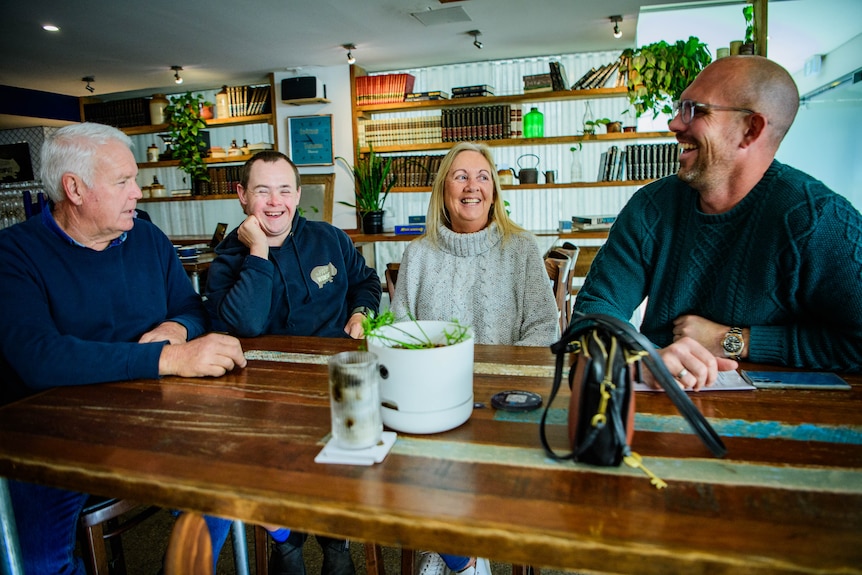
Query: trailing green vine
x,y
660,72
185,124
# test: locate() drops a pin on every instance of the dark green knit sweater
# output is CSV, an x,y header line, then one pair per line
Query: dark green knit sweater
x,y
786,262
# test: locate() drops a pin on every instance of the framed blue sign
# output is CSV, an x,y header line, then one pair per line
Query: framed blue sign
x,y
311,140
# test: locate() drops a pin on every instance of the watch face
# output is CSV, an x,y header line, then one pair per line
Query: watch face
x,y
732,343
311,140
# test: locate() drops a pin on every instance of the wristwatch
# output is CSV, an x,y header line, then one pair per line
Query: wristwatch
x,y
733,343
366,311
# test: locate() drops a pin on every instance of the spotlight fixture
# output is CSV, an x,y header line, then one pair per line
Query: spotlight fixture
x,y
350,58
89,79
616,21
475,34
177,78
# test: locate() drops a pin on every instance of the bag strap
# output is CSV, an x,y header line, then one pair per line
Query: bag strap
x,y
594,429
558,377
637,341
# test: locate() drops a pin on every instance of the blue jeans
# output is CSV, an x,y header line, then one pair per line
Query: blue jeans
x,y
455,562
47,522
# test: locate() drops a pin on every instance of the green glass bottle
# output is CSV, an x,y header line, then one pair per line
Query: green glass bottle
x,y
534,124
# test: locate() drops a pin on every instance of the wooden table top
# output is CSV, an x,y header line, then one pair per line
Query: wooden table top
x,y
787,498
198,263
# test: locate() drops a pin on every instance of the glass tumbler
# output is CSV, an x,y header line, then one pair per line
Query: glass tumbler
x,y
354,399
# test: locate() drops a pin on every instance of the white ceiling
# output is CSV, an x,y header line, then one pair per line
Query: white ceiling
x,y
131,47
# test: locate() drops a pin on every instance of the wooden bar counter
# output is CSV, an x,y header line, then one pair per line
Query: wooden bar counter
x,y
787,498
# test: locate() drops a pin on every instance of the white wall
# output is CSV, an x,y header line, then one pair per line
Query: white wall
x,y
337,81
824,140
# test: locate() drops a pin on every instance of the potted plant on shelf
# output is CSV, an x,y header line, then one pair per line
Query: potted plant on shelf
x,y
611,126
659,72
426,372
373,179
748,45
188,138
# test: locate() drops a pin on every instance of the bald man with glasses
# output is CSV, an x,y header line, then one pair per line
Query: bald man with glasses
x,y
738,255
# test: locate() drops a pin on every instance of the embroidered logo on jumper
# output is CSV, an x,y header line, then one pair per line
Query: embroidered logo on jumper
x,y
322,275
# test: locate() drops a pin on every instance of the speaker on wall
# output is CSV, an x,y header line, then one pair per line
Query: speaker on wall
x,y
301,88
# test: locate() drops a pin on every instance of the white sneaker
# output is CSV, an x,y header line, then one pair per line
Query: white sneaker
x,y
431,563
481,567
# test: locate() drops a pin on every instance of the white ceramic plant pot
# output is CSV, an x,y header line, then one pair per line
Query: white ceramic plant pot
x,y
424,390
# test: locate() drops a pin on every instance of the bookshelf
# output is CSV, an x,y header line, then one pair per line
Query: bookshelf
x,y
233,126
362,113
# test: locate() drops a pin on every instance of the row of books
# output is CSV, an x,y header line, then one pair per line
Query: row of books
x,y
127,113
650,161
475,91
603,222
383,88
400,131
248,100
638,162
468,123
477,123
425,96
598,77
415,171
222,180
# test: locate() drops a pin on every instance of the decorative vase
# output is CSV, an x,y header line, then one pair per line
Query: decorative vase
x,y
158,103
426,390
372,222
577,173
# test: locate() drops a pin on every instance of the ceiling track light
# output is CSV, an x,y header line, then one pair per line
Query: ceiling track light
x,y
89,79
177,78
350,58
616,22
475,34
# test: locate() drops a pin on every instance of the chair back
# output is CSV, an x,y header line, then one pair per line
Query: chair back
x,y
391,276
573,252
559,267
190,550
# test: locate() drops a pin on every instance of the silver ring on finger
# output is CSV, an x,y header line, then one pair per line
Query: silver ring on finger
x,y
682,373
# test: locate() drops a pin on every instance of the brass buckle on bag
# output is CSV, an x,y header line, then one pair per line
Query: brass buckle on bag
x,y
600,418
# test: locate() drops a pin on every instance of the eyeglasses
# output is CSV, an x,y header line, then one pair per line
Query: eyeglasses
x,y
687,109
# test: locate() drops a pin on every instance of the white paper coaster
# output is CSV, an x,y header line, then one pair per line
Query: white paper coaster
x,y
369,456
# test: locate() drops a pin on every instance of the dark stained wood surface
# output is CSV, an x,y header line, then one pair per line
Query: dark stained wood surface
x,y
786,499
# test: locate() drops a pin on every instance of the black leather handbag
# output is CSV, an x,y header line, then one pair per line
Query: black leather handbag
x,y
602,404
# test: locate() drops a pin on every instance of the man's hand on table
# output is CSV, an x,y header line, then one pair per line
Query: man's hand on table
x,y
169,331
213,355
691,364
354,326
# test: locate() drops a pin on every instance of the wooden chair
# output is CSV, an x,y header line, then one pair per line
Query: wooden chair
x,y
391,276
559,268
101,524
104,520
190,550
572,252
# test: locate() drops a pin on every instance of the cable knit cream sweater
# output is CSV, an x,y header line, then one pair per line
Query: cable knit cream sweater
x,y
501,290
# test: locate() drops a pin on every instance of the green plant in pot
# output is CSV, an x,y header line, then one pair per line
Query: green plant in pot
x,y
748,45
373,179
659,72
186,130
426,372
611,126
